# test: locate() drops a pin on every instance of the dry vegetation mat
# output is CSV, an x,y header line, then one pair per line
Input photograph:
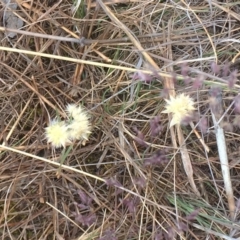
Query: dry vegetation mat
x,y
120,119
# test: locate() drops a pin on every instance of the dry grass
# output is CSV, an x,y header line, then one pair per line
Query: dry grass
x,y
105,189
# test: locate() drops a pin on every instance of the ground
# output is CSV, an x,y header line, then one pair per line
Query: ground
x,y
137,176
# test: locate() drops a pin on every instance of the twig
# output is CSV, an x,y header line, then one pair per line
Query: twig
x,y
186,160
199,137
222,151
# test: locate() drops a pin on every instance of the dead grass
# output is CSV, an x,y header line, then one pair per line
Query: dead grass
x,y
104,190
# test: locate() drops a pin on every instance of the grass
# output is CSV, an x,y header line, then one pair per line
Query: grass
x,y
130,180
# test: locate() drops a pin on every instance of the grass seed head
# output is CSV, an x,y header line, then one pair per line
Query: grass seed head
x,y
79,127
57,134
180,107
74,111
79,130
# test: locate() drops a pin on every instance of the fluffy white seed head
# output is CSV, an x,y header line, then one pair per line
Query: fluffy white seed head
x,y
75,111
78,127
57,134
79,130
181,106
